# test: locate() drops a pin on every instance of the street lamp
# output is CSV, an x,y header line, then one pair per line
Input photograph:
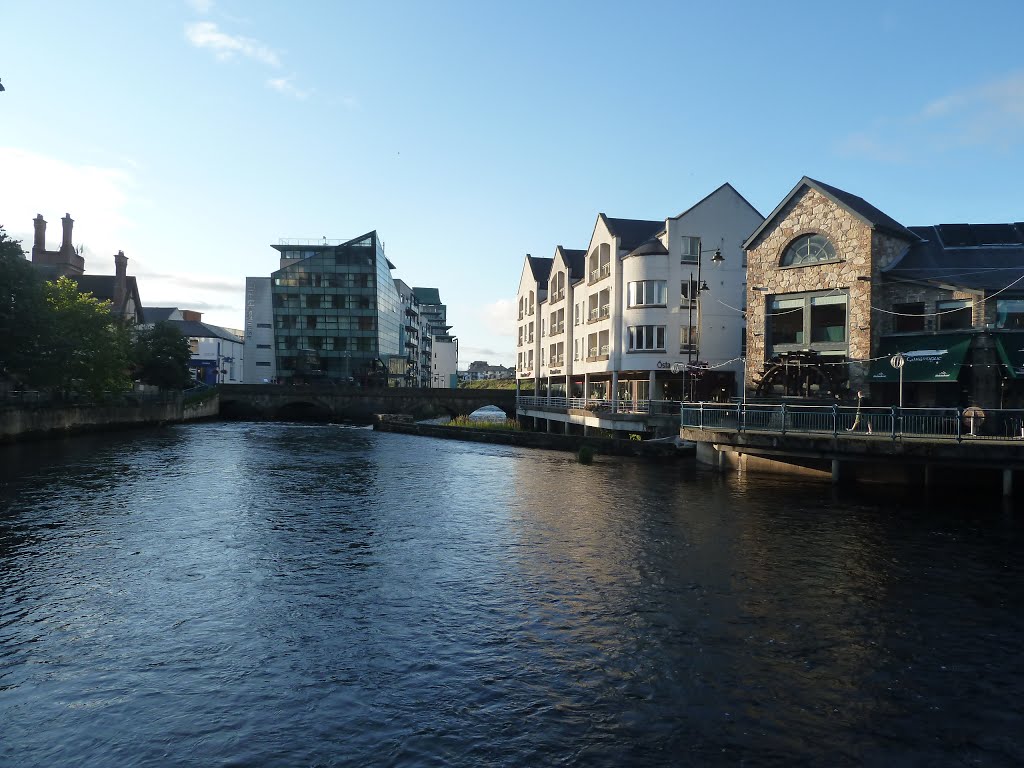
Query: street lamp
x,y
698,287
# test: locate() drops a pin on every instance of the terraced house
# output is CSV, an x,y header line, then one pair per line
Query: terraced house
x,y
650,311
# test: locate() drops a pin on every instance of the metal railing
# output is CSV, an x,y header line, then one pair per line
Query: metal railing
x,y
849,421
601,405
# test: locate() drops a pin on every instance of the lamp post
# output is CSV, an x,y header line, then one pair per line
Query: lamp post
x,y
693,348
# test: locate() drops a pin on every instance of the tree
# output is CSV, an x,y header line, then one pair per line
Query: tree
x,y
161,357
23,311
88,349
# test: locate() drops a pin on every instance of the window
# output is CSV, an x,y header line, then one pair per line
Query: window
x,y
690,251
556,290
646,337
576,320
647,293
599,306
908,317
828,318
262,346
954,314
592,348
786,321
600,263
263,325
688,339
1010,314
809,249
687,292
814,321
260,362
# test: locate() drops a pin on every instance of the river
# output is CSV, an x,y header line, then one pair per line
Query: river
x,y
241,594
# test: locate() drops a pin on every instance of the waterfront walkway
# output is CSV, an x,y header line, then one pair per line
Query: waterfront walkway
x,y
895,445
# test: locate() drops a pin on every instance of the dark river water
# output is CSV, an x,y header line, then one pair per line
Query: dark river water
x,y
287,595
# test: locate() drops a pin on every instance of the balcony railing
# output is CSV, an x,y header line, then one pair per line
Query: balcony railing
x,y
600,273
602,405
953,424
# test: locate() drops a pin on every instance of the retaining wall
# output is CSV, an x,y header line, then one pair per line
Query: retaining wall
x,y
43,421
607,446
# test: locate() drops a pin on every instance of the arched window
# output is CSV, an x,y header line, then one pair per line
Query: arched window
x,y
808,249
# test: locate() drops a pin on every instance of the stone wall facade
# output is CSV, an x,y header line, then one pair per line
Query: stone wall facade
x,y
860,254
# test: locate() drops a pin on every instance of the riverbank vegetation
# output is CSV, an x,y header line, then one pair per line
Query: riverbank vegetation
x,y
56,339
488,384
497,424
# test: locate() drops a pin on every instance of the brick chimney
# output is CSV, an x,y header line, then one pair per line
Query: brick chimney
x,y
120,280
68,223
191,314
40,239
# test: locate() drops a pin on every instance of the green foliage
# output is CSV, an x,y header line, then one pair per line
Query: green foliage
x,y
585,455
465,421
161,356
488,384
87,349
23,312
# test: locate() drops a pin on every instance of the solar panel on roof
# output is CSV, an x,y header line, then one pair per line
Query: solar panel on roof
x,y
996,234
956,235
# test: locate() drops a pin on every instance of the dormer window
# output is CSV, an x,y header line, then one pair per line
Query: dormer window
x,y
809,249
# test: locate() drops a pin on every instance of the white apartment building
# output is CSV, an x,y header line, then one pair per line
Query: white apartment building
x,y
444,362
651,310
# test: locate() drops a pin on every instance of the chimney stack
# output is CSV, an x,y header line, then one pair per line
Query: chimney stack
x,y
40,238
120,280
68,223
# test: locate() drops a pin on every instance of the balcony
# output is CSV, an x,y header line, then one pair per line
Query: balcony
x,y
599,313
600,273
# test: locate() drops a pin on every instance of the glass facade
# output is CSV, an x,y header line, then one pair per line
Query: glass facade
x,y
336,313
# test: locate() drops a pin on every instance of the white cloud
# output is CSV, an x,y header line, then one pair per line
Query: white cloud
x,y
286,86
200,6
205,34
95,196
990,114
498,317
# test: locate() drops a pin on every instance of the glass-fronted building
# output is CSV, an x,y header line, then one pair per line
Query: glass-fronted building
x,y
336,312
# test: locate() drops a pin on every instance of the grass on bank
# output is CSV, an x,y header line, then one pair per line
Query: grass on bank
x,y
465,421
489,384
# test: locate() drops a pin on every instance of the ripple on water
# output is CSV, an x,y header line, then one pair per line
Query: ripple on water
x,y
272,594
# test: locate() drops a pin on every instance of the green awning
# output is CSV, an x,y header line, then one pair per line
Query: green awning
x,y
928,358
1010,347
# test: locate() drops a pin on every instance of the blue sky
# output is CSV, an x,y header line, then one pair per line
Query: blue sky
x,y
192,135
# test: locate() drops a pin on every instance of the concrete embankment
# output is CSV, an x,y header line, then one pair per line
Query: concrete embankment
x,y
602,445
31,422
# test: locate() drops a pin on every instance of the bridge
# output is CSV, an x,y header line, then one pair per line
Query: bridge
x,y
298,402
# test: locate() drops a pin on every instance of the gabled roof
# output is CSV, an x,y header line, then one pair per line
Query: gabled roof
x,y
575,259
159,314
858,206
987,257
427,295
632,232
540,267
194,329
102,288
728,186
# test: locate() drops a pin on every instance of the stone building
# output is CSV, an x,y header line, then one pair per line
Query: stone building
x,y
120,289
836,288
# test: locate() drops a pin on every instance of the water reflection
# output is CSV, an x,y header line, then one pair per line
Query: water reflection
x,y
275,594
